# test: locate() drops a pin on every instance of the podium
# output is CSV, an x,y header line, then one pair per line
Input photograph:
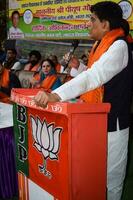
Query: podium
x,y
62,149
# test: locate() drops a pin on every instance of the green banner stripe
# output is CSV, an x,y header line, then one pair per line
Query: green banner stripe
x,y
21,137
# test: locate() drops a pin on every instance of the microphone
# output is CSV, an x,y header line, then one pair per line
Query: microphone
x,y
75,44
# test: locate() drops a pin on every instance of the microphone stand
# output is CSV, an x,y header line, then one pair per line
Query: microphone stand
x,y
75,44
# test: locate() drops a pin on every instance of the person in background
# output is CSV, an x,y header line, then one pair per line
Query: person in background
x,y
84,59
11,61
8,80
46,78
59,68
108,79
2,53
71,71
14,31
34,61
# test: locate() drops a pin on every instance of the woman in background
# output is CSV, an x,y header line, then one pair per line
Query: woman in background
x,y
47,77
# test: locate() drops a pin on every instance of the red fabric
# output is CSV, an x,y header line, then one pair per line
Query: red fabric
x,y
4,81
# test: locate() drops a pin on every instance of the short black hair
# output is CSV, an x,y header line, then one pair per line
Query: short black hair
x,y
125,26
35,53
13,50
14,13
110,11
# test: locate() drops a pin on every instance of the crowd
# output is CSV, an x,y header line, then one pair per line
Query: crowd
x,y
47,73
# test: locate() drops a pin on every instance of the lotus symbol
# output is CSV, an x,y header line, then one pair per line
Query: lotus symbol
x,y
47,139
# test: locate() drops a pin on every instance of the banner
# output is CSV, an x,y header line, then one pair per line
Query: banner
x,y
54,19
42,148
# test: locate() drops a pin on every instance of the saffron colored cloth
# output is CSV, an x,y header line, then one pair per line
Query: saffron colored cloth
x,y
8,174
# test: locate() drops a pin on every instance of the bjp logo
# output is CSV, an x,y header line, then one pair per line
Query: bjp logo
x,y
46,140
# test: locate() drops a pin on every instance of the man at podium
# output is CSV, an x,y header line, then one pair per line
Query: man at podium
x,y
107,79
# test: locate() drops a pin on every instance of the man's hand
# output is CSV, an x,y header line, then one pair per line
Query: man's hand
x,y
42,98
74,62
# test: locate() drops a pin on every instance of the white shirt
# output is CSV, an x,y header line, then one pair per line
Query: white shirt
x,y
113,61
17,66
73,71
6,115
15,33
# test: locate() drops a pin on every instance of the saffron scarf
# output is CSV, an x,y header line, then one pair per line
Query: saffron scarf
x,y
4,80
28,67
47,83
96,96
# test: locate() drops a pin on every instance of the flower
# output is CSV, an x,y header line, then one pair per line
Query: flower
x,y
47,138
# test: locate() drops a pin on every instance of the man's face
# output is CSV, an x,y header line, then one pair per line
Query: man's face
x,y
97,28
15,20
10,55
33,60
